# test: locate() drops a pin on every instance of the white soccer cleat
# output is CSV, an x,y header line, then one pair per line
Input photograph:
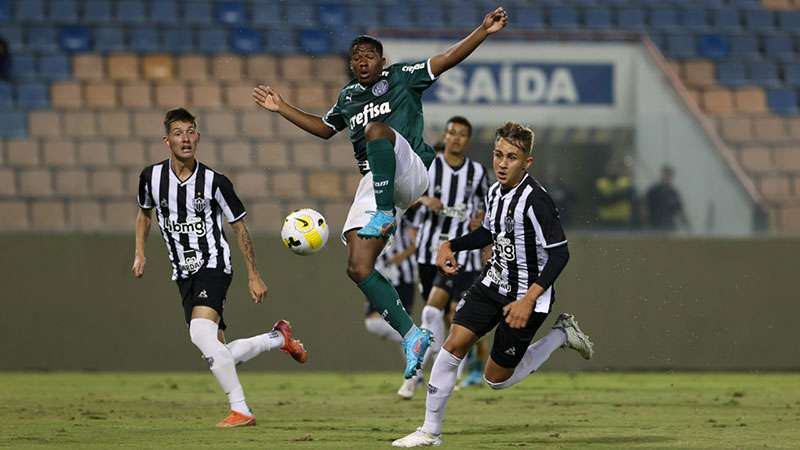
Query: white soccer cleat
x,y
406,391
419,438
576,339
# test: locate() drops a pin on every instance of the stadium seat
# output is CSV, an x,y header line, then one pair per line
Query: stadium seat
x,y
779,47
713,46
163,11
230,12
364,15
42,39
332,15
197,13
29,11
158,67
782,101
246,41
54,66
97,11
726,19
180,40
745,4
63,11
680,46
731,73
23,67
750,100
281,41
301,14
789,21
143,40
694,19
5,11
32,95
212,40
663,18
764,73
564,18
398,15
6,95
14,37
597,18
717,100
699,73
631,19
267,13
340,40
13,124
744,46
528,18
109,40
759,20
315,42
75,38
791,74
426,14
130,12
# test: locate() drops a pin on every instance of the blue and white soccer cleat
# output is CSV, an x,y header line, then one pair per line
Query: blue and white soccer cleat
x,y
381,225
415,346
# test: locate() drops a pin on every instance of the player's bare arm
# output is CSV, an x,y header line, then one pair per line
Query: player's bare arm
x,y
256,285
432,202
271,100
143,220
492,23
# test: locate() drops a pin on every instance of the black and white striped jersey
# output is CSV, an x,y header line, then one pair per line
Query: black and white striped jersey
x,y
406,271
190,215
524,223
461,190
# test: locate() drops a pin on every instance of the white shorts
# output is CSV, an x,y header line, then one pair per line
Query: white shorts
x,y
410,182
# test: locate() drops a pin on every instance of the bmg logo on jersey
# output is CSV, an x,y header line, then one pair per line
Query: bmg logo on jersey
x,y
369,112
193,225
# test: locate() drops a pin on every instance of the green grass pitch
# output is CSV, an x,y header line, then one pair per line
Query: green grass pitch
x,y
361,411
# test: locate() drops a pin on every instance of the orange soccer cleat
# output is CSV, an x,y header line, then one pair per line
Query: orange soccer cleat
x,y
237,419
291,346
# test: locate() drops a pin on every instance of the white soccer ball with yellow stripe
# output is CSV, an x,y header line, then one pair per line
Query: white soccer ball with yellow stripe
x,y
304,232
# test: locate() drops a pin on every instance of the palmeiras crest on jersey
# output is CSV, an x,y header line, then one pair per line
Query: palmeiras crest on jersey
x,y
380,88
509,224
200,203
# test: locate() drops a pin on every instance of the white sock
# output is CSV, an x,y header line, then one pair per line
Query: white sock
x,y
461,366
247,349
433,319
380,327
536,355
203,333
440,386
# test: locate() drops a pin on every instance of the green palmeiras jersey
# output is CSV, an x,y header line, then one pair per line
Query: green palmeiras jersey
x,y
394,99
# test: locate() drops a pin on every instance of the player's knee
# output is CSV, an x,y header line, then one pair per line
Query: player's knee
x,y
358,272
378,130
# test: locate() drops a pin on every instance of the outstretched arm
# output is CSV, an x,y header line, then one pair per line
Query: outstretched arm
x,y
258,290
492,23
269,99
143,220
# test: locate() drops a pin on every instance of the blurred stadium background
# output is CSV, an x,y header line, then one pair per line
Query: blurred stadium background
x,y
615,89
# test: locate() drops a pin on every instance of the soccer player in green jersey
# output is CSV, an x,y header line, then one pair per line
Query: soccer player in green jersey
x,y
382,109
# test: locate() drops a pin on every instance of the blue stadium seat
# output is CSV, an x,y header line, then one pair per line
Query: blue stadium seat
x,y
143,40
712,4
301,14
364,15
212,40
779,47
6,95
109,40
782,101
564,18
177,40
333,15
630,19
55,67
13,36
397,16
694,19
528,18
63,11
197,13
764,73
42,39
681,46
246,41
789,21
75,38
759,20
23,67
29,11
231,12
726,19
425,14
5,11
281,41
267,14
713,46
744,46
340,40
130,12
745,4
32,95
163,11
97,11
597,18
315,42
791,74
13,124
664,18
731,73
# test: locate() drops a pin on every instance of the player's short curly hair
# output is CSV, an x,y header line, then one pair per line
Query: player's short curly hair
x,y
178,115
367,39
518,135
462,121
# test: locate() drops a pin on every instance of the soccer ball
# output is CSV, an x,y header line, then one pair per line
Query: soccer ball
x,y
304,232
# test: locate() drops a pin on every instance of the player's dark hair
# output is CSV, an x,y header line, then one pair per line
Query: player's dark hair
x,y
462,121
178,115
367,39
518,135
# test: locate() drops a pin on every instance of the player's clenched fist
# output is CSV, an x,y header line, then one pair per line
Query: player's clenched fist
x,y
446,260
495,20
267,98
138,266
